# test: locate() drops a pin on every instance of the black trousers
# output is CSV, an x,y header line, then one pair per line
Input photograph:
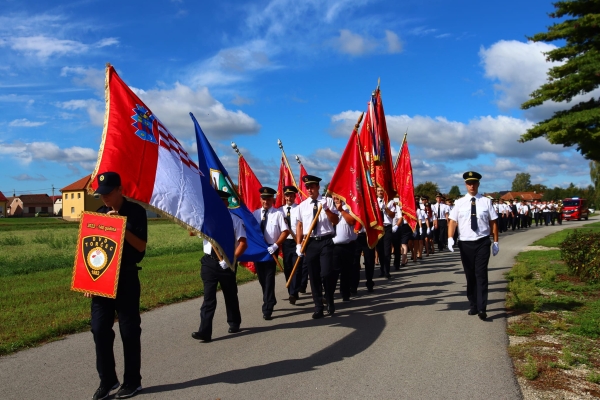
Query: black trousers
x,y
342,265
266,276
212,274
514,221
384,249
319,260
475,256
538,218
288,249
503,223
443,232
547,217
127,307
361,247
524,219
396,245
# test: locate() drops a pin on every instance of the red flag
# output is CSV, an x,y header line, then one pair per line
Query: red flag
x,y
404,183
376,145
248,185
286,178
302,189
350,182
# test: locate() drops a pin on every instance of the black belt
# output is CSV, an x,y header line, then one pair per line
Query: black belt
x,y
213,255
324,237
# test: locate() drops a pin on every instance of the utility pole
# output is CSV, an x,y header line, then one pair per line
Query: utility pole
x,y
53,192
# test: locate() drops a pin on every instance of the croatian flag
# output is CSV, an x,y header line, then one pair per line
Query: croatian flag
x,y
156,170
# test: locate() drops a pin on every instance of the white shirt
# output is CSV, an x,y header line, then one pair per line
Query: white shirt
x,y
293,217
305,215
443,210
387,220
275,224
344,233
462,215
421,216
239,231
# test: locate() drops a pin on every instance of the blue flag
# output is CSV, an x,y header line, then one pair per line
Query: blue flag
x,y
210,165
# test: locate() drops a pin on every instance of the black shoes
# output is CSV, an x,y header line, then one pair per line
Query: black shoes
x,y
317,315
234,329
330,309
472,312
292,299
302,290
199,336
345,298
127,391
482,315
381,274
389,276
267,317
103,391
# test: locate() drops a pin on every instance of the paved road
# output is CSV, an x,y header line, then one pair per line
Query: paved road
x,y
410,339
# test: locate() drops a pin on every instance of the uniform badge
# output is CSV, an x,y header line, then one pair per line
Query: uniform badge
x,y
101,178
98,253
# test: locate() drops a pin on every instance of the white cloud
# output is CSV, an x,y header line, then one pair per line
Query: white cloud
x,y
94,108
27,177
393,42
90,77
240,100
44,47
520,68
25,123
422,31
47,151
354,44
106,42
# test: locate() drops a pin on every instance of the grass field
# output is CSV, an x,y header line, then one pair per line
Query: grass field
x,y
36,262
556,317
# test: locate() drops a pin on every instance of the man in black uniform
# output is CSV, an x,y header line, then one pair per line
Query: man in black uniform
x,y
288,247
214,272
127,303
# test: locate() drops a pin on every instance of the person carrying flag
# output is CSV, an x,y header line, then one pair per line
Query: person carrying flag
x,y
274,229
319,249
214,272
290,213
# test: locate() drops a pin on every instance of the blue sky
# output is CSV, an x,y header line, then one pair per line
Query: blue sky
x,y
452,72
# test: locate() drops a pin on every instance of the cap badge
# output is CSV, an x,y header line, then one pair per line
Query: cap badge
x,y
470,174
101,178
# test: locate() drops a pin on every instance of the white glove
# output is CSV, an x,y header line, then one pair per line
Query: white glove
x,y
394,228
432,228
415,232
299,250
223,264
428,231
495,248
273,248
450,244
323,202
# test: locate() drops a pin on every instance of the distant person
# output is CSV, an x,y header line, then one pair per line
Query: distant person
x,y
476,219
127,303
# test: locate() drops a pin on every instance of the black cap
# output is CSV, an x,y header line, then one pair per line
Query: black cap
x,y
266,192
223,194
439,195
425,197
471,176
308,179
107,182
289,189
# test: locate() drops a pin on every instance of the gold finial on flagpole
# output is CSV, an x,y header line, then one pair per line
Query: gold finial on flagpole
x,y
280,144
234,147
298,159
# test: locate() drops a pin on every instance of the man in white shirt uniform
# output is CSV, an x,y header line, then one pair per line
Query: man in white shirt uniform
x,y
273,227
290,214
441,212
343,249
319,249
214,272
384,246
476,219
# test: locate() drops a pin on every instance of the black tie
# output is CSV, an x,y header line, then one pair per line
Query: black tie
x,y
287,217
439,207
473,215
314,202
263,221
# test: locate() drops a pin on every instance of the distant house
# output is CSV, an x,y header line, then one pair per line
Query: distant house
x,y
527,196
57,207
76,200
3,204
28,205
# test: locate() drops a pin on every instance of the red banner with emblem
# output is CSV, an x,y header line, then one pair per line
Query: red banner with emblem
x,y
404,183
248,185
98,255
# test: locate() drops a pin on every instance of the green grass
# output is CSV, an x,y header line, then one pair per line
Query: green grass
x,y
555,239
36,303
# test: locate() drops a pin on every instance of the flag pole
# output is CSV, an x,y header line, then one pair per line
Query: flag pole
x,y
234,146
400,151
304,243
287,164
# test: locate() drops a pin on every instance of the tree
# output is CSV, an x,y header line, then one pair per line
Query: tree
x,y
595,176
579,74
522,182
538,188
454,192
428,189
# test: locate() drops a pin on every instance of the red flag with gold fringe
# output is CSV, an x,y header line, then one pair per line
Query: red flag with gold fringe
x,y
286,178
404,183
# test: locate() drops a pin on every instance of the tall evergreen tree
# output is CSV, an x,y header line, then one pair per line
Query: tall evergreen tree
x,y
579,74
454,192
522,182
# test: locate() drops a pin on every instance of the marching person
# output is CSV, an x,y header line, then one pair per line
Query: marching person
x,y
343,249
421,233
362,247
405,232
214,272
319,249
273,227
384,246
127,303
441,212
476,219
431,218
290,213
513,215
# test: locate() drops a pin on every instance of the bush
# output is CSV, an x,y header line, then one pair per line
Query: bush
x,y
581,253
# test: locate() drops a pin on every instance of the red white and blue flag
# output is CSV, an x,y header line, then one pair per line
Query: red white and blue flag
x,y
156,170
